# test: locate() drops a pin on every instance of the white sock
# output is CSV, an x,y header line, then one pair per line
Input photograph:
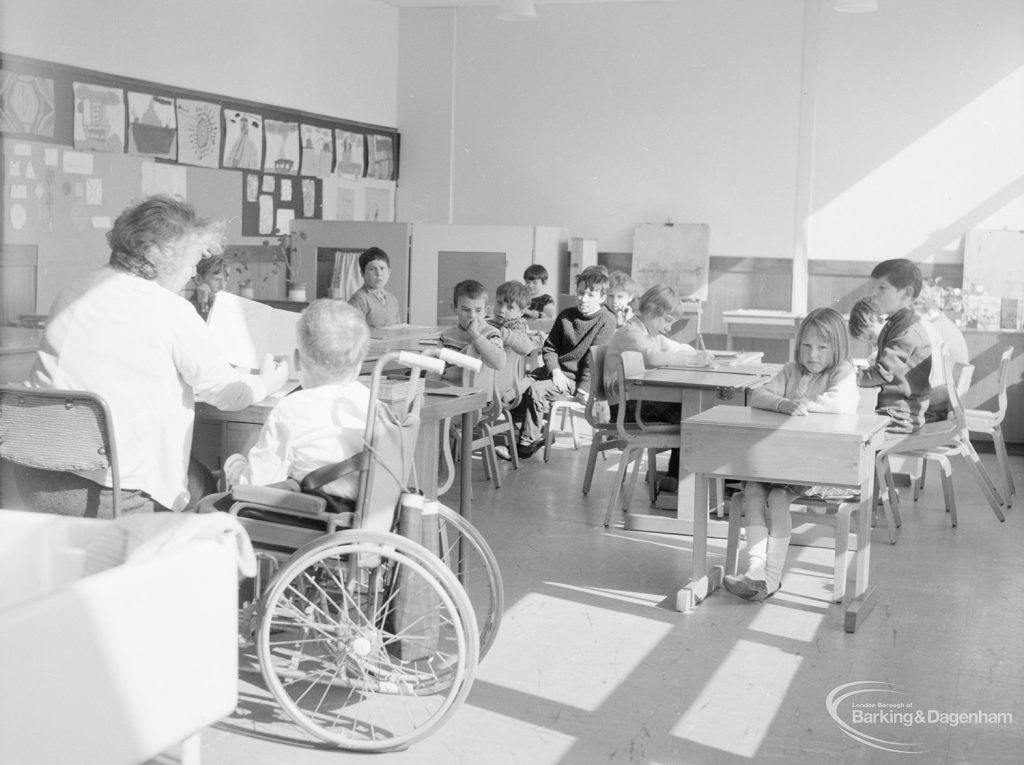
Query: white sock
x,y
776,560
757,548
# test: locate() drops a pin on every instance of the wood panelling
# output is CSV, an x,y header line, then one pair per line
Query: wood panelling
x,y
19,267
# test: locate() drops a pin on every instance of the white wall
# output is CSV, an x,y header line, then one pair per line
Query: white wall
x,y
599,117
331,57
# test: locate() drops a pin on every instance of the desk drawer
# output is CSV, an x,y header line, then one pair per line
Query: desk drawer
x,y
775,455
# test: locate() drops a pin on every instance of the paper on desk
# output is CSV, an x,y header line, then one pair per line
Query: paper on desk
x,y
245,330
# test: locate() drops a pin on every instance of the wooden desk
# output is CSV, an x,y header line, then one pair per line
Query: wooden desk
x,y
757,445
754,323
218,434
695,390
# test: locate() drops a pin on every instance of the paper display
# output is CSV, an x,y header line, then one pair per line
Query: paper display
x,y
244,330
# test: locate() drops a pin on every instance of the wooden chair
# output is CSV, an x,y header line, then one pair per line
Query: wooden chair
x,y
836,512
990,424
940,441
564,407
58,430
638,437
605,433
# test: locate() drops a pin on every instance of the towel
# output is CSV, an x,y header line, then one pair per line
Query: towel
x,y
142,536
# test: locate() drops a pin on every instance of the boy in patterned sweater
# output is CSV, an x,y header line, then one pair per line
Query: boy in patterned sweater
x,y
565,371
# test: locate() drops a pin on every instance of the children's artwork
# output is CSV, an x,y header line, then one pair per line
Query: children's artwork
x,y
152,125
381,152
317,151
380,201
343,199
672,254
243,140
99,118
198,133
26,104
282,155
269,203
350,153
163,178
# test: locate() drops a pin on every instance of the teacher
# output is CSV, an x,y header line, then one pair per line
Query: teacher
x,y
125,333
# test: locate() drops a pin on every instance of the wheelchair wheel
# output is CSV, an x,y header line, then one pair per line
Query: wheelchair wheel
x,y
466,553
367,640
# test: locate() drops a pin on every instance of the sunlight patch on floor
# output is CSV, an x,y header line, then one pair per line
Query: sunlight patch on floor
x,y
568,652
738,703
507,739
639,598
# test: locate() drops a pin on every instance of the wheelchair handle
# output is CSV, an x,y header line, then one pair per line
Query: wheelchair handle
x,y
459,359
421,361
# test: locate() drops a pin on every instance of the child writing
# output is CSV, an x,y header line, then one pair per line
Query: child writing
x,y
541,304
379,307
211,277
903,365
565,371
621,292
323,422
644,332
821,378
471,333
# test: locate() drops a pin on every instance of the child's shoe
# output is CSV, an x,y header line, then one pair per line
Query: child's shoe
x,y
754,590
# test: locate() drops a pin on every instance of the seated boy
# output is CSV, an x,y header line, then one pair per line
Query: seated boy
x,y
566,369
622,290
903,365
542,306
511,300
323,422
949,337
378,306
471,334
211,277
866,322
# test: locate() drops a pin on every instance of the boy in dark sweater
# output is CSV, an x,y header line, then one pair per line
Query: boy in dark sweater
x,y
566,370
904,362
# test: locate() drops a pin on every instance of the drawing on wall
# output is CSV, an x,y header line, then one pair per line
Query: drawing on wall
x,y
317,151
99,118
152,125
268,201
348,148
342,199
26,104
380,202
198,133
672,254
243,140
282,154
381,151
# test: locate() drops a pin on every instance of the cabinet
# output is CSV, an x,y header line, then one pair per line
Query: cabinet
x,y
985,348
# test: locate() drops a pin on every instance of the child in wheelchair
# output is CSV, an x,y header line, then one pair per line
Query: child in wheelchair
x,y
322,423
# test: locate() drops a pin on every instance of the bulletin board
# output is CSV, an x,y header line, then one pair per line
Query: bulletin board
x,y
995,260
78,146
675,254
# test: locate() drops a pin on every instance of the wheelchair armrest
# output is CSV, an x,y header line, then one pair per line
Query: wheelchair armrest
x,y
285,500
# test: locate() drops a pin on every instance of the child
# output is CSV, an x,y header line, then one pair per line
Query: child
x,y
471,333
621,292
211,277
937,324
565,370
865,321
378,306
903,365
323,422
541,304
511,300
645,333
820,379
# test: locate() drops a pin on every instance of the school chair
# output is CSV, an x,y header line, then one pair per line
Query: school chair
x,y
58,430
495,420
836,512
639,438
605,432
940,441
990,423
564,407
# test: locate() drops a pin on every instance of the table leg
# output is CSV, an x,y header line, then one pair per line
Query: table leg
x,y
703,581
466,468
865,594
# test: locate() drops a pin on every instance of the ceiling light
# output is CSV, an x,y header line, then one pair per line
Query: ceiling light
x,y
516,10
857,6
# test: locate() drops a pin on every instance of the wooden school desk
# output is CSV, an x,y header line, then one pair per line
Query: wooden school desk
x,y
695,390
756,323
219,434
757,445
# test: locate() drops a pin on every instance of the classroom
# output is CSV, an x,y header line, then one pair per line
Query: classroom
x,y
780,150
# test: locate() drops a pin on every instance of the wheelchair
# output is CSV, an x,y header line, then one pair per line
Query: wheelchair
x,y
377,612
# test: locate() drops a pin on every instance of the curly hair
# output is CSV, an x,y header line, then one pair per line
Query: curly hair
x,y
146,238
333,339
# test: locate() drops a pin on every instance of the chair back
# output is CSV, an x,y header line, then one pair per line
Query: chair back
x,y
868,400
956,404
1003,381
597,393
963,374
631,364
58,430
